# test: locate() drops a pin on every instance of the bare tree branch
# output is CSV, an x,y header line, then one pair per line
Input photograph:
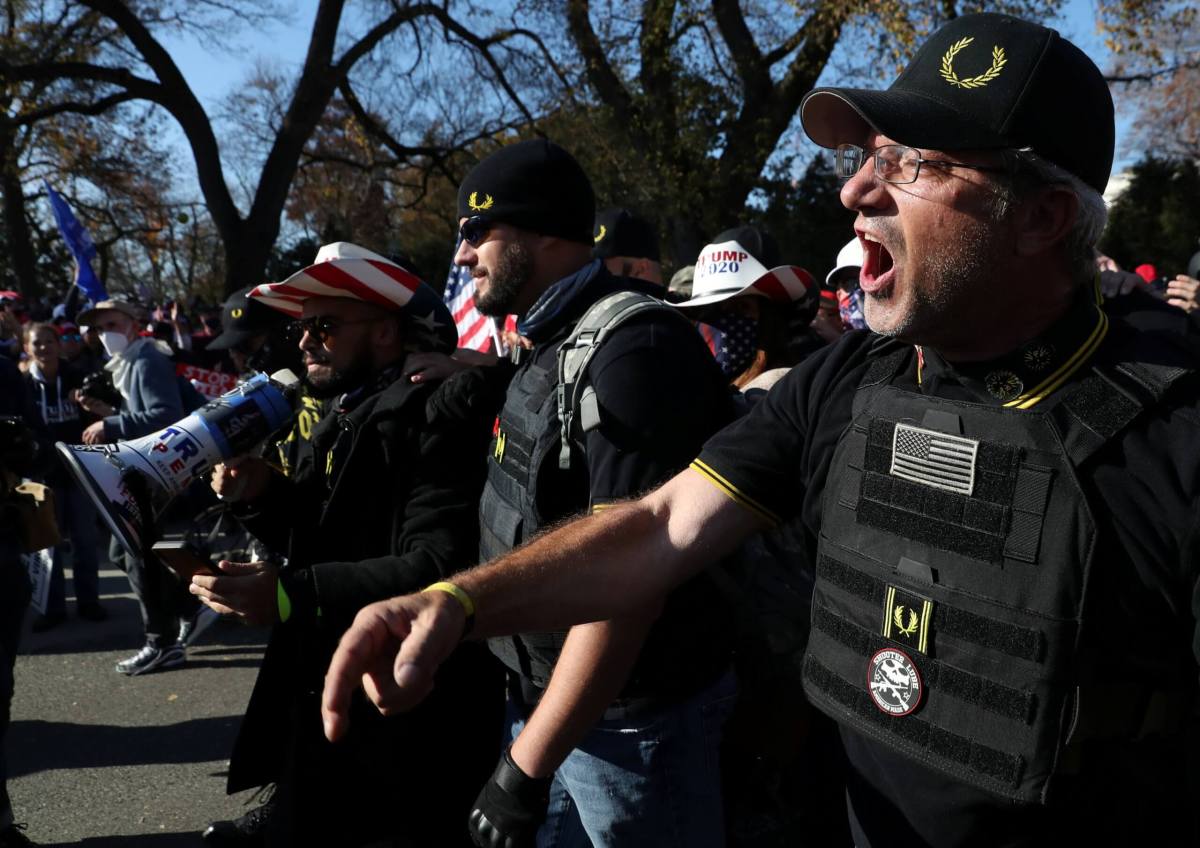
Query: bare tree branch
x,y
97,107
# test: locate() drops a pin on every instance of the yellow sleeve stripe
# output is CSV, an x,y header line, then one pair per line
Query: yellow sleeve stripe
x,y
1052,383
733,492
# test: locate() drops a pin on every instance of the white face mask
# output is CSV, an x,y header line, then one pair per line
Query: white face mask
x,y
114,343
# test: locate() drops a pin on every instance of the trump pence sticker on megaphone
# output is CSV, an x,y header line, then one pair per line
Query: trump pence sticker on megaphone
x,y
124,478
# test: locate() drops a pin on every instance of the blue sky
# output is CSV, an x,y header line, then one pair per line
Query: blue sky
x,y
282,45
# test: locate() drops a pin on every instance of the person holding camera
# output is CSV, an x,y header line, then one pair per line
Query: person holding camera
x,y
150,400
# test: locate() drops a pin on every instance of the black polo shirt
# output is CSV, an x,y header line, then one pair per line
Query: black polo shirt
x,y
1144,490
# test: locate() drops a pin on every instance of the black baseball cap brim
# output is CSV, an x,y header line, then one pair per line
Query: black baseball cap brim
x,y
232,338
833,116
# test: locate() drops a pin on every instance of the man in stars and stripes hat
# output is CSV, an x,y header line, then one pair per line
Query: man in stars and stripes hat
x,y
387,504
349,272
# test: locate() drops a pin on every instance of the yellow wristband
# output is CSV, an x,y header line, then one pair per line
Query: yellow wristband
x,y
458,594
284,602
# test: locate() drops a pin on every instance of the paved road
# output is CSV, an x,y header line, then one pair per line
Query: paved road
x,y
99,759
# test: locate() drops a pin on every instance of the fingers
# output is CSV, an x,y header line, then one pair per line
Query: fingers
x,y
421,367
367,647
216,606
213,599
241,568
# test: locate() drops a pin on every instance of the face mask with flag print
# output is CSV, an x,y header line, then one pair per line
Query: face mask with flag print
x,y
733,340
850,306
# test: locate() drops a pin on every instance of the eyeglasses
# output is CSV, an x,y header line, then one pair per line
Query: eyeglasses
x,y
70,337
894,163
320,326
475,229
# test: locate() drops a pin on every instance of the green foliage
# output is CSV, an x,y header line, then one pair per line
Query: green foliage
x,y
1157,218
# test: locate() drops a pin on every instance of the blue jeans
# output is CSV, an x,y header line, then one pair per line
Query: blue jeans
x,y
76,521
653,780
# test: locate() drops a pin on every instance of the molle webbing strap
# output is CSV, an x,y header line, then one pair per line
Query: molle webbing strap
x,y
1011,639
1030,494
998,765
985,694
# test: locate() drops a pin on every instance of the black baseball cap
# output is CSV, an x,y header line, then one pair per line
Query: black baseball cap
x,y
620,232
242,319
984,82
535,185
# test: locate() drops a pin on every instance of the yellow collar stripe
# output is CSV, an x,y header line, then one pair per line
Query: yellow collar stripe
x,y
1052,383
732,491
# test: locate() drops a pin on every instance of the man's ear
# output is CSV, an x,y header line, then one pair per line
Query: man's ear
x,y
1044,218
388,333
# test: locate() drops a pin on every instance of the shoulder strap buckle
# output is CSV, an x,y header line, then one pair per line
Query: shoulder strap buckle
x,y
577,400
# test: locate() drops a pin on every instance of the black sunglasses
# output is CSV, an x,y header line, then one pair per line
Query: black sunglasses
x,y
320,326
475,229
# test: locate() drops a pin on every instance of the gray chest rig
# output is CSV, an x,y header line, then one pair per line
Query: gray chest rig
x,y
953,573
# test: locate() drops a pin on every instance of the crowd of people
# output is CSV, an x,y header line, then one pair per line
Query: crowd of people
x,y
904,555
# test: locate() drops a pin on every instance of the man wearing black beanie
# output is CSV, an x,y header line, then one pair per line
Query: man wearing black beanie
x,y
625,756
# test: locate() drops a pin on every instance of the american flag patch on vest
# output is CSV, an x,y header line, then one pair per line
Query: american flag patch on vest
x,y
933,458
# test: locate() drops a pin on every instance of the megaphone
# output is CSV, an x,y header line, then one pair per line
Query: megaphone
x,y
125,479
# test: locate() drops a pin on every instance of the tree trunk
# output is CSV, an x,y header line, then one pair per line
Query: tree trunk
x,y
16,226
246,257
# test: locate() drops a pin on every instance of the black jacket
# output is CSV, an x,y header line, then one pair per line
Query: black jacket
x,y
397,512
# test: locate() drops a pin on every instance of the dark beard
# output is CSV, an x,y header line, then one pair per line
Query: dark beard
x,y
513,270
341,381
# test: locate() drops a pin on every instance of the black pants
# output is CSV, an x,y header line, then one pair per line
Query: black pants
x,y
404,782
162,597
14,598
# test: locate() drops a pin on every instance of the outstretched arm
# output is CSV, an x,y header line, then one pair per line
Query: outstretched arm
x,y
606,565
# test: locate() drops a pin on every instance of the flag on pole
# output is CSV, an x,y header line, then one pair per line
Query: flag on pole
x,y
80,244
475,330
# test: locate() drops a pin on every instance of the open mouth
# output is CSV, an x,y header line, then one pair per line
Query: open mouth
x,y
876,273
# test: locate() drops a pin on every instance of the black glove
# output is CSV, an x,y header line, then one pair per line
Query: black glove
x,y
510,808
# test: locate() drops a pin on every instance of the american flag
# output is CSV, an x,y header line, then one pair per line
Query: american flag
x,y
933,458
475,331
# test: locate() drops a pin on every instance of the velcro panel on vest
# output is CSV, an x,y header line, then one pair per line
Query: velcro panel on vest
x,y
1011,639
941,678
1102,407
975,526
996,764
1028,510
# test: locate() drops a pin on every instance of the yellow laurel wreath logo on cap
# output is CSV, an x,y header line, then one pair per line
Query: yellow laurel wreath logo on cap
x,y
603,232
473,202
948,74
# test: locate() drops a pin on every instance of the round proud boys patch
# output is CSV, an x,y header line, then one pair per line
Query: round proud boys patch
x,y
894,682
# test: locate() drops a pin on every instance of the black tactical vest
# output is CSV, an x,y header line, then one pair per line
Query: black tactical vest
x,y
953,572
526,442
